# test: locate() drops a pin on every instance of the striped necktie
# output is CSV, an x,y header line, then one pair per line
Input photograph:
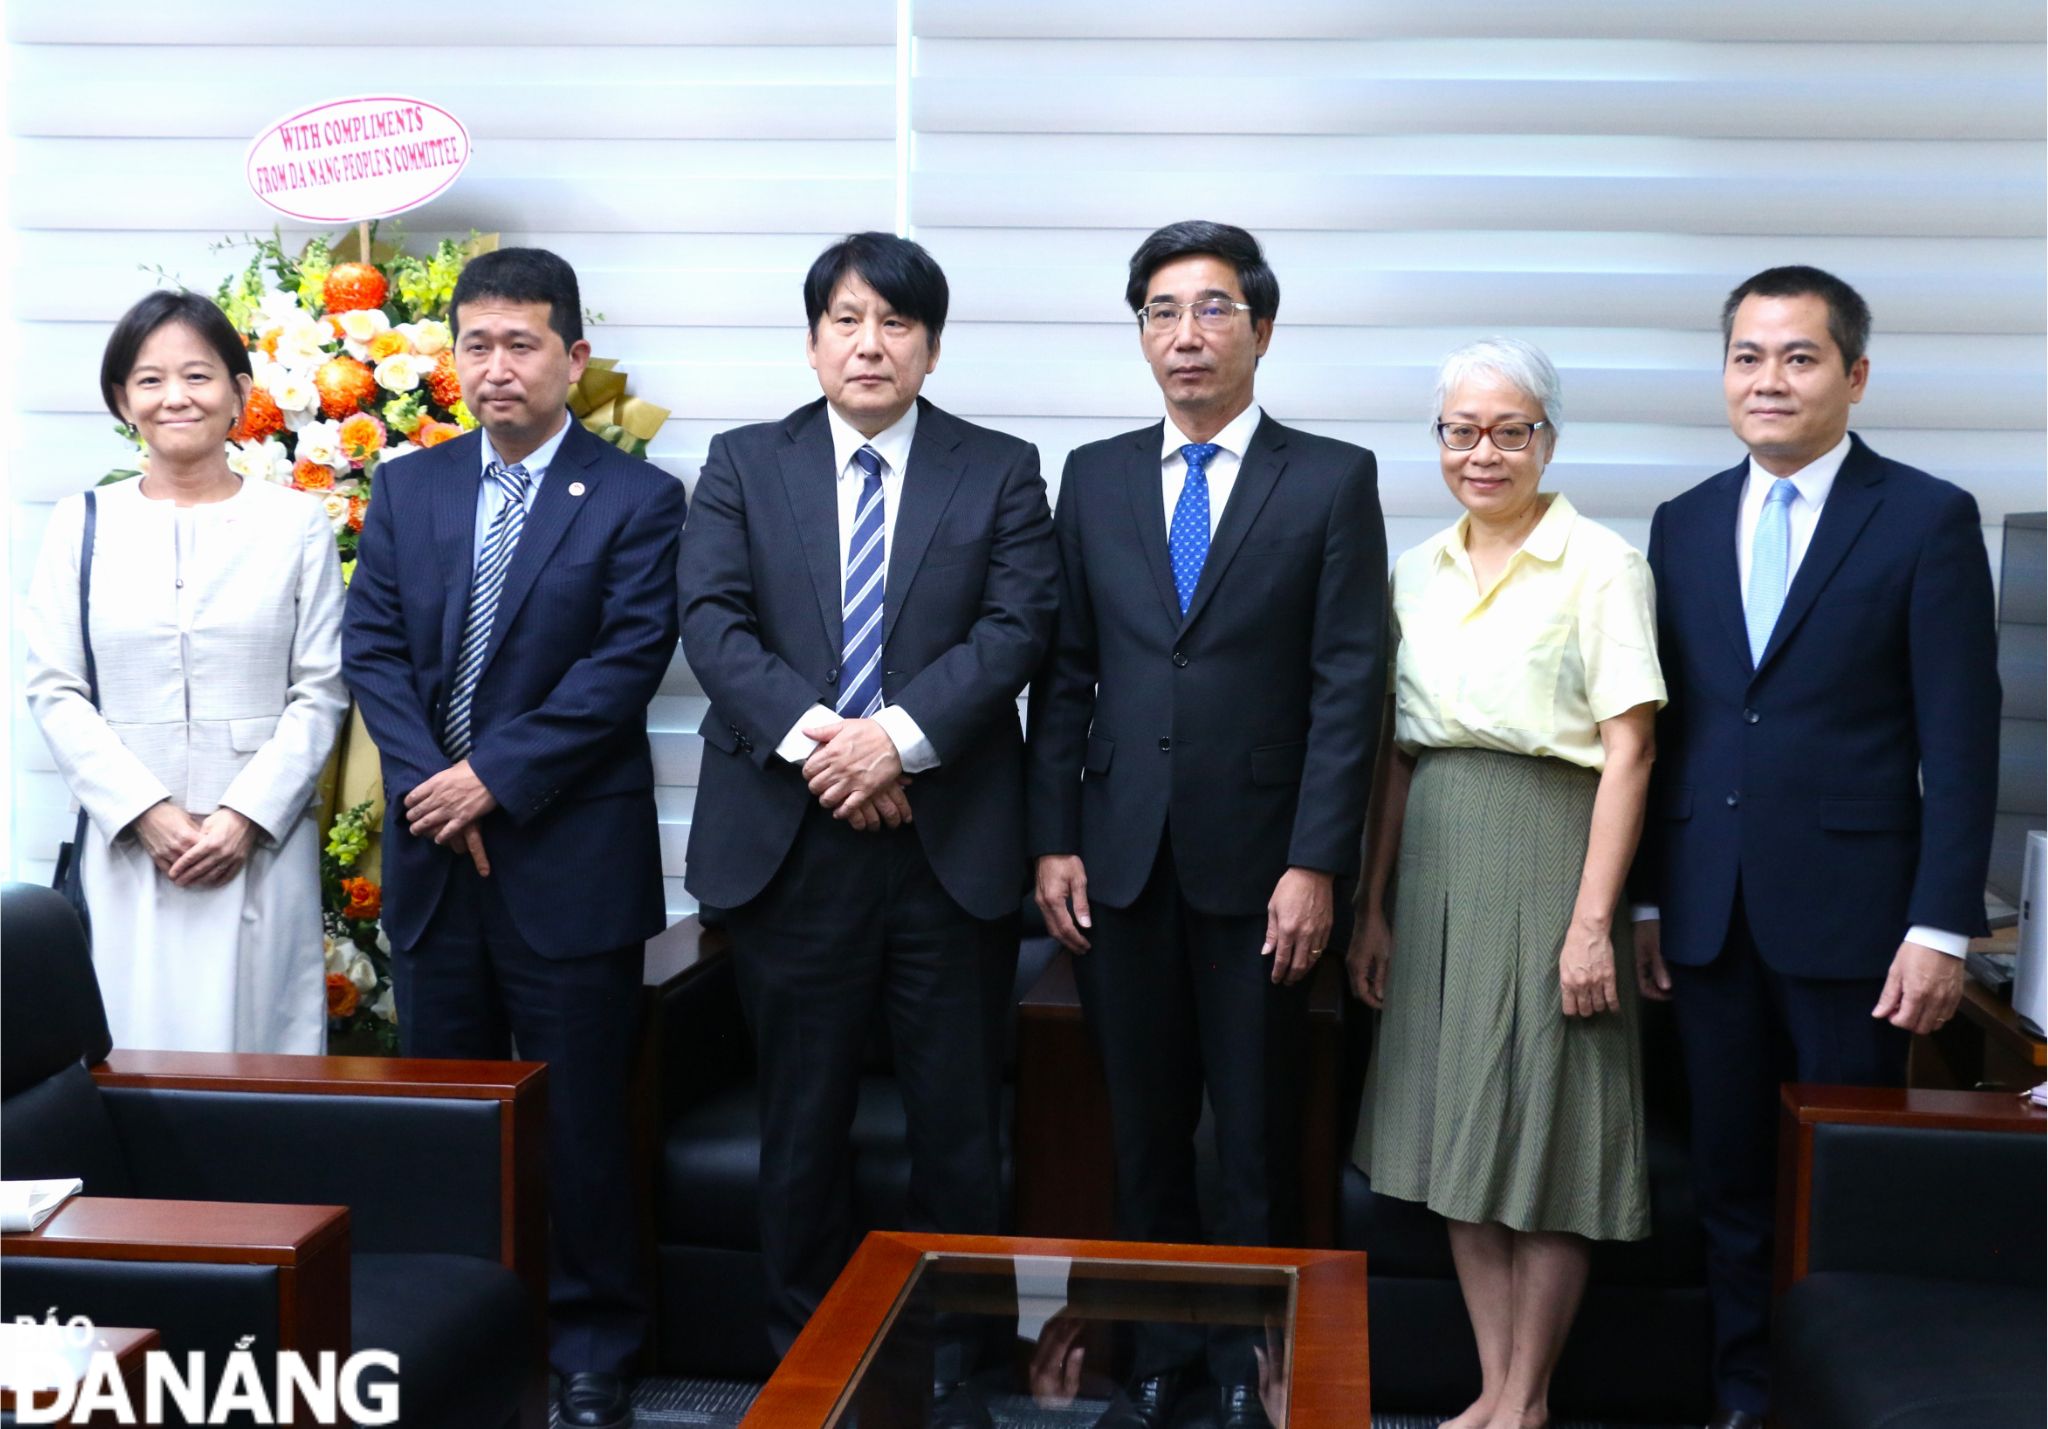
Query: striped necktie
x,y
1187,543
1770,561
861,619
501,539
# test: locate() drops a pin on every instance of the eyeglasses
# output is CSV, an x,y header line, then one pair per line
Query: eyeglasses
x,y
1507,436
1210,313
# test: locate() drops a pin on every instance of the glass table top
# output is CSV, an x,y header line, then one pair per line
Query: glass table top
x,y
1049,1342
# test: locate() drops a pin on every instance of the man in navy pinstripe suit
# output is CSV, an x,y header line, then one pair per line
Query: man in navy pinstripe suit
x,y
512,612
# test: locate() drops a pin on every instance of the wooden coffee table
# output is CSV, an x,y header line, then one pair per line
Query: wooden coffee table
x,y
900,1308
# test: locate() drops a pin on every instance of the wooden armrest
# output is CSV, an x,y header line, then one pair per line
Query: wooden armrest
x,y
343,1076
309,1245
683,949
1805,1105
1809,1104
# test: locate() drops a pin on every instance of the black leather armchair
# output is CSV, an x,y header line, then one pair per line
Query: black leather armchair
x,y
707,1162
1912,1236
314,1203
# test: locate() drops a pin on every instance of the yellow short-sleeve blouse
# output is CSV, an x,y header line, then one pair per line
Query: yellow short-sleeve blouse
x,y
1566,637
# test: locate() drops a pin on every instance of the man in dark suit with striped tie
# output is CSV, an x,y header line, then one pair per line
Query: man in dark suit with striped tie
x,y
867,586
512,612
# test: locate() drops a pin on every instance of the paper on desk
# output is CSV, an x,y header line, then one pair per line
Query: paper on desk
x,y
2039,1095
25,1205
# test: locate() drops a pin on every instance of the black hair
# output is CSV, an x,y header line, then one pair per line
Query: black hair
x,y
522,275
909,278
201,314
1848,314
1199,238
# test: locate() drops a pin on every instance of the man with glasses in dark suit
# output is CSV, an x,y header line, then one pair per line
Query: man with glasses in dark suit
x,y
1200,758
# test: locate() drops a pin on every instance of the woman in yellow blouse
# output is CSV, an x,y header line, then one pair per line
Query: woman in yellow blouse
x,y
1506,1089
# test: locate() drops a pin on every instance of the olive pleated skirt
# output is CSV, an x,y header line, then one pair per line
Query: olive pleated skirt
x,y
1484,1100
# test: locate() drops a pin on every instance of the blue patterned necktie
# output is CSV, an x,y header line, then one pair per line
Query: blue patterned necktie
x,y
1187,541
1770,560
861,618
501,539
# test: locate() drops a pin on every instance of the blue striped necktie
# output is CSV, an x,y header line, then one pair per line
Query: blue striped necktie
x,y
861,618
1770,561
1187,542
501,539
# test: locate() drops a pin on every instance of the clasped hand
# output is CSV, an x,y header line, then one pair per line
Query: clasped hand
x,y
196,853
446,808
857,774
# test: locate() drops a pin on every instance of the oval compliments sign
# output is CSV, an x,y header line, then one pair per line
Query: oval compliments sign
x,y
353,159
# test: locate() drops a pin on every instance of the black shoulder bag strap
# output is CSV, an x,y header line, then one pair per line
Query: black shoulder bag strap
x,y
69,880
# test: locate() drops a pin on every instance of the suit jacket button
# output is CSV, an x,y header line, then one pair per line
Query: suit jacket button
x,y
1750,716
1165,744
832,676
1734,798
1180,660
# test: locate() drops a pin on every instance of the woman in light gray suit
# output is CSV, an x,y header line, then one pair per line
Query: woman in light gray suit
x,y
215,638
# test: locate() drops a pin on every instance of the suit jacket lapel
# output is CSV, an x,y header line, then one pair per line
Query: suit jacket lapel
x,y
1855,495
553,509
1722,531
929,482
1264,459
809,480
454,507
1148,508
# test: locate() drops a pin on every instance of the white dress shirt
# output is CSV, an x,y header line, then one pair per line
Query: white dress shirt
x,y
1814,481
892,445
490,496
1221,470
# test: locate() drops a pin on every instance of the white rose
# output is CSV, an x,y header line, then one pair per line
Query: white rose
x,y
303,343
428,337
384,1006
393,453
400,372
261,461
321,442
341,952
383,941
293,391
276,308
336,506
359,327
363,973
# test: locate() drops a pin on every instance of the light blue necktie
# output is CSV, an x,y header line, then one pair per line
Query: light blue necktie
x,y
861,617
1770,558
501,539
1187,541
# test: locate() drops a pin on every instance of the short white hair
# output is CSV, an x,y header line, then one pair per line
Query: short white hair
x,y
1519,364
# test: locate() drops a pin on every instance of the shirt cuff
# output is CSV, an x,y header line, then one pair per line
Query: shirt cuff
x,y
1644,913
1955,945
912,748
797,746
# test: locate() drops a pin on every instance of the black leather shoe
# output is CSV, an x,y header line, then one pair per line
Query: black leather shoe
x,y
1240,1408
1143,1403
1736,1419
596,1401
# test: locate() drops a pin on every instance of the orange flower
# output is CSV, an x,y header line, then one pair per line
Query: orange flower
x,y
362,437
310,475
353,286
432,433
342,996
365,898
260,418
357,507
268,343
344,385
387,342
443,382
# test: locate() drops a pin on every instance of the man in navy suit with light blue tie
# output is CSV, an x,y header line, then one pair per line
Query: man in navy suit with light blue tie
x,y
1820,818
867,586
512,613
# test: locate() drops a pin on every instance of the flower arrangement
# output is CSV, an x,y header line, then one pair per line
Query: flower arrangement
x,y
361,1011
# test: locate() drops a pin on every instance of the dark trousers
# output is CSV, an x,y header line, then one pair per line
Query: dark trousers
x,y
1180,1000
473,988
852,925
1744,1029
